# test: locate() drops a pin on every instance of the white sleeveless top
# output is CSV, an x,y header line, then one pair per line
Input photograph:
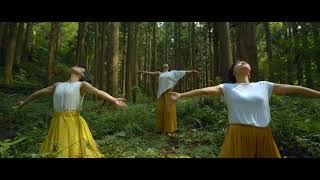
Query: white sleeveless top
x,y
248,103
67,97
168,80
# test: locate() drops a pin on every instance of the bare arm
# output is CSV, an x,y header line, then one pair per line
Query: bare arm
x,y
45,91
87,87
284,89
208,91
192,71
150,73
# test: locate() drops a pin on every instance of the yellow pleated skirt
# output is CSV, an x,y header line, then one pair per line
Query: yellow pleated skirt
x,y
166,117
244,141
69,137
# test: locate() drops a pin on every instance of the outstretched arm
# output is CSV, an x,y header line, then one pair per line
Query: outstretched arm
x,y
192,71
284,89
150,73
208,91
87,87
45,91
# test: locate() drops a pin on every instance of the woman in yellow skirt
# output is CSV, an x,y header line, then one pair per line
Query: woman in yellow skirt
x,y
249,134
166,119
69,135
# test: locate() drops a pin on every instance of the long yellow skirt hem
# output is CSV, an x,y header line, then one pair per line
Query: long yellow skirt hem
x,y
244,141
166,118
69,137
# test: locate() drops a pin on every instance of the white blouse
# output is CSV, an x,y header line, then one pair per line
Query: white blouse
x,y
67,97
168,80
248,103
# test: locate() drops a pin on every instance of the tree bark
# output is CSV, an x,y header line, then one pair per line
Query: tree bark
x,y
19,46
225,51
10,53
248,47
52,49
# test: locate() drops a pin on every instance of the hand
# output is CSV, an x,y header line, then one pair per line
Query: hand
x,y
174,97
19,105
119,102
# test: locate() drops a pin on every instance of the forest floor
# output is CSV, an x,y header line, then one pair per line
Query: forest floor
x,y
130,132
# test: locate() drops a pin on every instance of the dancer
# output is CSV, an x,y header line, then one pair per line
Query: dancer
x,y
249,134
166,119
69,135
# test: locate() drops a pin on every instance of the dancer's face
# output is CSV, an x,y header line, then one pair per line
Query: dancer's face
x,y
242,68
165,67
78,70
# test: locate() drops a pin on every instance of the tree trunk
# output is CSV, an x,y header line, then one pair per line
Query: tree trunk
x,y
211,60
225,51
177,48
97,54
217,71
114,58
10,53
307,60
167,47
296,44
268,49
52,45
123,63
28,42
290,65
190,54
145,85
103,49
248,47
135,64
153,61
315,36
3,28
80,44
19,47
129,62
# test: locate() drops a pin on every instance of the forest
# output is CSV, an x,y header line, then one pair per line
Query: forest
x,y
34,55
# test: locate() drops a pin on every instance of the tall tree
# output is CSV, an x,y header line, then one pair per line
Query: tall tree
x,y
113,51
19,46
215,41
135,63
129,62
225,51
10,53
97,54
167,43
211,59
103,51
80,43
3,27
123,61
177,47
307,60
268,49
248,46
297,52
290,63
52,48
27,50
153,60
316,44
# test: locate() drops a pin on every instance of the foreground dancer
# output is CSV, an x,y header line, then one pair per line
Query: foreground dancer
x,y
69,135
249,134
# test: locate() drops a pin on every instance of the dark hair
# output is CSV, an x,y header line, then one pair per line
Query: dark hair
x,y
86,75
231,76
